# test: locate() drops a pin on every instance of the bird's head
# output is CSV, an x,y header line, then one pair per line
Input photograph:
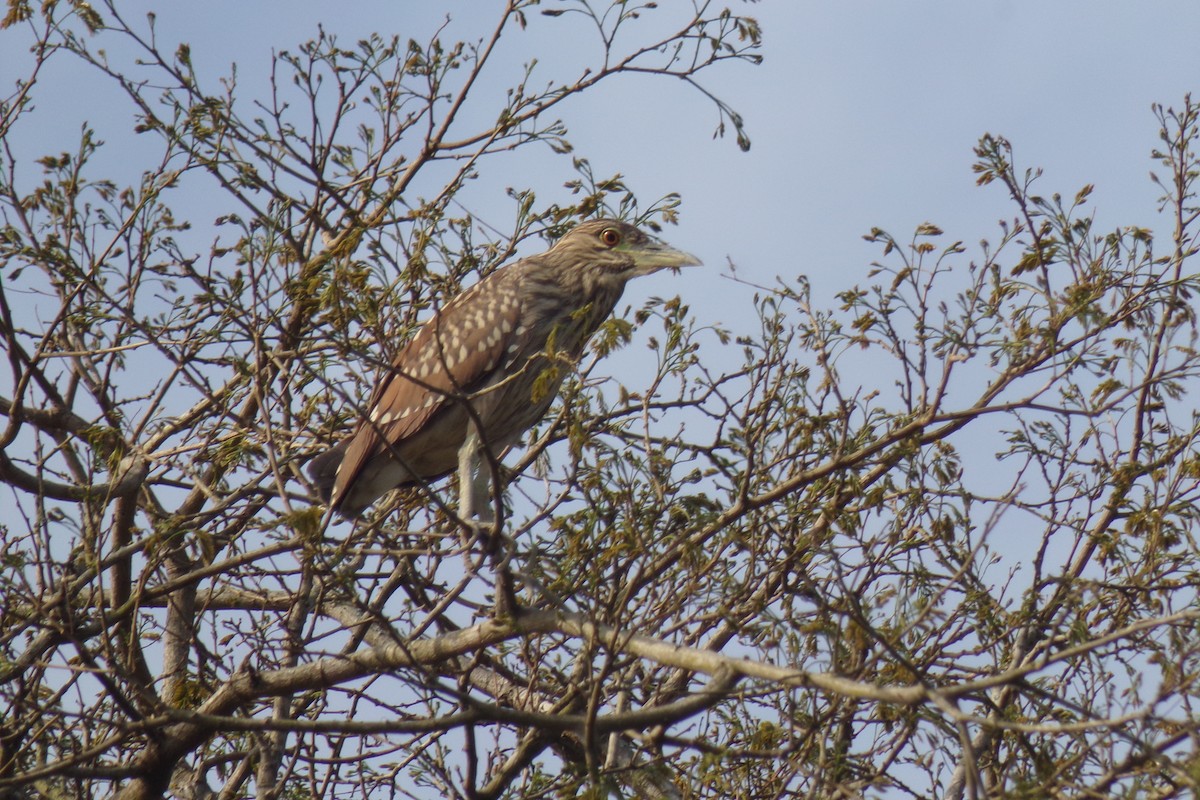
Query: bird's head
x,y
611,251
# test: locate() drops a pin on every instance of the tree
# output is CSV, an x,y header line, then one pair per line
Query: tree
x,y
795,594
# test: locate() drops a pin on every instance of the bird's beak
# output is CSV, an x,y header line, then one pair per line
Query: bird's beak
x,y
653,256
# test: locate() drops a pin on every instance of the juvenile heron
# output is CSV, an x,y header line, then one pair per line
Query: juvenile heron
x,y
483,370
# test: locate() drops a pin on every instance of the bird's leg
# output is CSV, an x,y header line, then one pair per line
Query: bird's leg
x,y
474,478
476,481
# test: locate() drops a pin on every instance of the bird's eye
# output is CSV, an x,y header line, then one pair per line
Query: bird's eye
x,y
611,237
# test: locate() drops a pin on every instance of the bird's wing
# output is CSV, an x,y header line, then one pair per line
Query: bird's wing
x,y
450,356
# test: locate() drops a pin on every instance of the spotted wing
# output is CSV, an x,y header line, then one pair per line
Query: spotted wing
x,y
453,354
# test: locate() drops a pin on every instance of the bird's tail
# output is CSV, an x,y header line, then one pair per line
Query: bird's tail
x,y
323,469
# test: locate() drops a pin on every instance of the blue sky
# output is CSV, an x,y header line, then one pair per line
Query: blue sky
x,y
862,114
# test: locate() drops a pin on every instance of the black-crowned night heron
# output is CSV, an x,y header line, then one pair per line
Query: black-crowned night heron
x,y
486,368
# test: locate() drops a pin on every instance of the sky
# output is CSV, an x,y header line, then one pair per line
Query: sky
x,y
861,115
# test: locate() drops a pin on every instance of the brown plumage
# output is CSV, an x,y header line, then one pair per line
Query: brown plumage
x,y
485,354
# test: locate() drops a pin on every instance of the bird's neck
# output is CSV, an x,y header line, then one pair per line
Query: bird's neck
x,y
573,321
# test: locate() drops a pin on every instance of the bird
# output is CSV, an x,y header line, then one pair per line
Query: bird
x,y
486,368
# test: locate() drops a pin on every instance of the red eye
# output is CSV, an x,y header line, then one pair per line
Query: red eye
x,y
611,237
